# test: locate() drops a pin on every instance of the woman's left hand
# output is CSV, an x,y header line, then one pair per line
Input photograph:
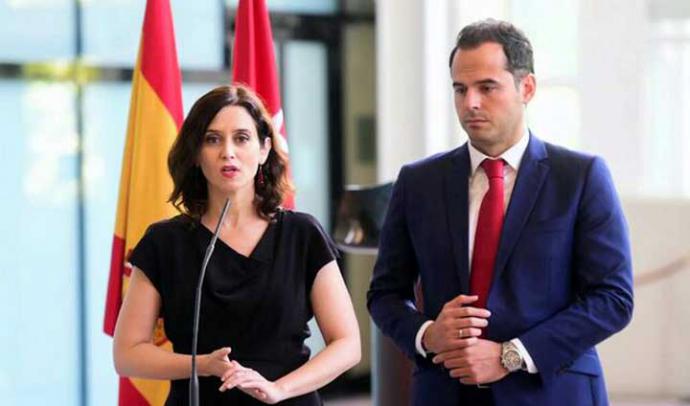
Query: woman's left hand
x,y
252,383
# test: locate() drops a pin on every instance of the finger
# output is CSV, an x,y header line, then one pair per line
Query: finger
x,y
221,352
461,312
255,388
472,332
229,383
454,343
458,350
236,380
466,322
446,355
235,373
230,371
462,300
244,373
461,373
254,383
455,363
468,332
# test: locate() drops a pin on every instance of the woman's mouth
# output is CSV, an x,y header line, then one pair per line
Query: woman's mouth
x,y
229,171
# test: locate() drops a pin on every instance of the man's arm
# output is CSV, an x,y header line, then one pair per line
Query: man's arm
x,y
602,277
391,294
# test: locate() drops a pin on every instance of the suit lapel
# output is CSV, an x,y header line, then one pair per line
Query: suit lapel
x,y
456,189
533,170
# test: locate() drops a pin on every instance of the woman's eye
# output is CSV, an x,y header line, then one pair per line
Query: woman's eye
x,y
211,139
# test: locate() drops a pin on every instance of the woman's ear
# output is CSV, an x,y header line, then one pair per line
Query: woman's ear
x,y
266,149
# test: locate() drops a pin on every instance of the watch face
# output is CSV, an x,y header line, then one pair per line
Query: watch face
x,y
511,360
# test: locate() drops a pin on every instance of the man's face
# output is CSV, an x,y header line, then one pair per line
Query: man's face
x,y
489,103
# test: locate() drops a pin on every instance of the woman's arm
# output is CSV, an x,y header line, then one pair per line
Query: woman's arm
x,y
336,319
134,352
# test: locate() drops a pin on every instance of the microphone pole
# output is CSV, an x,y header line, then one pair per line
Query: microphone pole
x,y
194,379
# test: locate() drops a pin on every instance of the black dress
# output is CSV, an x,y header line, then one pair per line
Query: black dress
x,y
257,305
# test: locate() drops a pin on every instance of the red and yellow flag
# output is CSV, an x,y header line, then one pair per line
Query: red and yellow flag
x,y
155,117
254,64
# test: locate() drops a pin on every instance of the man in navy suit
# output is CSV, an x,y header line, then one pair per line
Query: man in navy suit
x,y
519,246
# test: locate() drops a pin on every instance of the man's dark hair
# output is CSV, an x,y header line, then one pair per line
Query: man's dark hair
x,y
516,46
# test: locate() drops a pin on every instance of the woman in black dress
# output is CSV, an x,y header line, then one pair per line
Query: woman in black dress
x,y
271,271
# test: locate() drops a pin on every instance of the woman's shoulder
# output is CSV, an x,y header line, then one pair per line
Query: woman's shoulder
x,y
299,219
173,226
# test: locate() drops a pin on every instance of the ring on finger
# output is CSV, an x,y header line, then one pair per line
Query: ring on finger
x,y
460,334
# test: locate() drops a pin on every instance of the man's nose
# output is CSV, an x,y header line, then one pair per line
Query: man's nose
x,y
472,100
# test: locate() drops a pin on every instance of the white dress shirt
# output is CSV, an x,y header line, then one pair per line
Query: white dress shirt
x,y
478,186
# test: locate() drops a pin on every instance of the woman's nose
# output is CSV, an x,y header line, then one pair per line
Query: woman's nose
x,y
227,150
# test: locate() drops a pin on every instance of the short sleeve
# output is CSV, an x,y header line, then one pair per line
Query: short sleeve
x,y
145,257
320,250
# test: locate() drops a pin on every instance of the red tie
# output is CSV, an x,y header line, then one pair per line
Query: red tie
x,y
488,233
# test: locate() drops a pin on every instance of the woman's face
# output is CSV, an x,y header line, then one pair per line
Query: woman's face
x,y
231,152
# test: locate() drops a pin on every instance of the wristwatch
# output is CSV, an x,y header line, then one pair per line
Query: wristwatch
x,y
510,357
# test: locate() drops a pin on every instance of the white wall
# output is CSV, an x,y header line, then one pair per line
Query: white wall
x,y
650,356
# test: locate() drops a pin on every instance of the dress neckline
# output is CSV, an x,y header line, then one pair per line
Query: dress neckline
x,y
262,251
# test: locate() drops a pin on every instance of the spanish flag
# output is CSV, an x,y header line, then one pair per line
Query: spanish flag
x,y
155,117
254,64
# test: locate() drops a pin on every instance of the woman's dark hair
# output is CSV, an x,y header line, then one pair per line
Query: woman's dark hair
x,y
190,193
516,46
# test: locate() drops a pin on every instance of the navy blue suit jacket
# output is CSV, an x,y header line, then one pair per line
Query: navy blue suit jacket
x,y
562,281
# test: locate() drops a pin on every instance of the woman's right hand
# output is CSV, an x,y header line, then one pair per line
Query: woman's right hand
x,y
215,363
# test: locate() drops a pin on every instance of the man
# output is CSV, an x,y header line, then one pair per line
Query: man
x,y
520,248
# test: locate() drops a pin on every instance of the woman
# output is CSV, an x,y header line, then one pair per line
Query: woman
x,y
271,271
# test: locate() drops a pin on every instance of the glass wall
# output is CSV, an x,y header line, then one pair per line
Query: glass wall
x,y
39,265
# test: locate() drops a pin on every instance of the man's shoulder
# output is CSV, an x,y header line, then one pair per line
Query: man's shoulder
x,y
566,163
559,152
433,163
569,160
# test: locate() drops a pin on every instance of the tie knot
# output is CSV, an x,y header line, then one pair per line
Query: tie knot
x,y
493,168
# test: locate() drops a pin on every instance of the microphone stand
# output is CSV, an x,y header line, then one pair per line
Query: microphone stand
x,y
194,379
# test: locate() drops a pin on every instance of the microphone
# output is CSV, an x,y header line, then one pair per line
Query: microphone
x,y
194,379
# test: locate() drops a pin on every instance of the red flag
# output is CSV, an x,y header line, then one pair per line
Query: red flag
x,y
155,117
254,64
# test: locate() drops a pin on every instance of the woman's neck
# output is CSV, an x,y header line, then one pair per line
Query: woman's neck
x,y
241,209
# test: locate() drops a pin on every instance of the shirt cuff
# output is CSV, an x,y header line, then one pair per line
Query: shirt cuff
x,y
531,368
418,338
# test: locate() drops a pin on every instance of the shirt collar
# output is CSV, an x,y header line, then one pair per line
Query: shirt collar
x,y
512,155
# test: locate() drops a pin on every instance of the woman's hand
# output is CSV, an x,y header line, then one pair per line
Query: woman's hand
x,y
252,383
216,363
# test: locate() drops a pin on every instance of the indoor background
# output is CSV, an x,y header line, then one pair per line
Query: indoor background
x,y
365,88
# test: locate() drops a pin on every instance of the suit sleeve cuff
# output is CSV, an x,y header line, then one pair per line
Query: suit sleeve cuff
x,y
529,363
418,338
